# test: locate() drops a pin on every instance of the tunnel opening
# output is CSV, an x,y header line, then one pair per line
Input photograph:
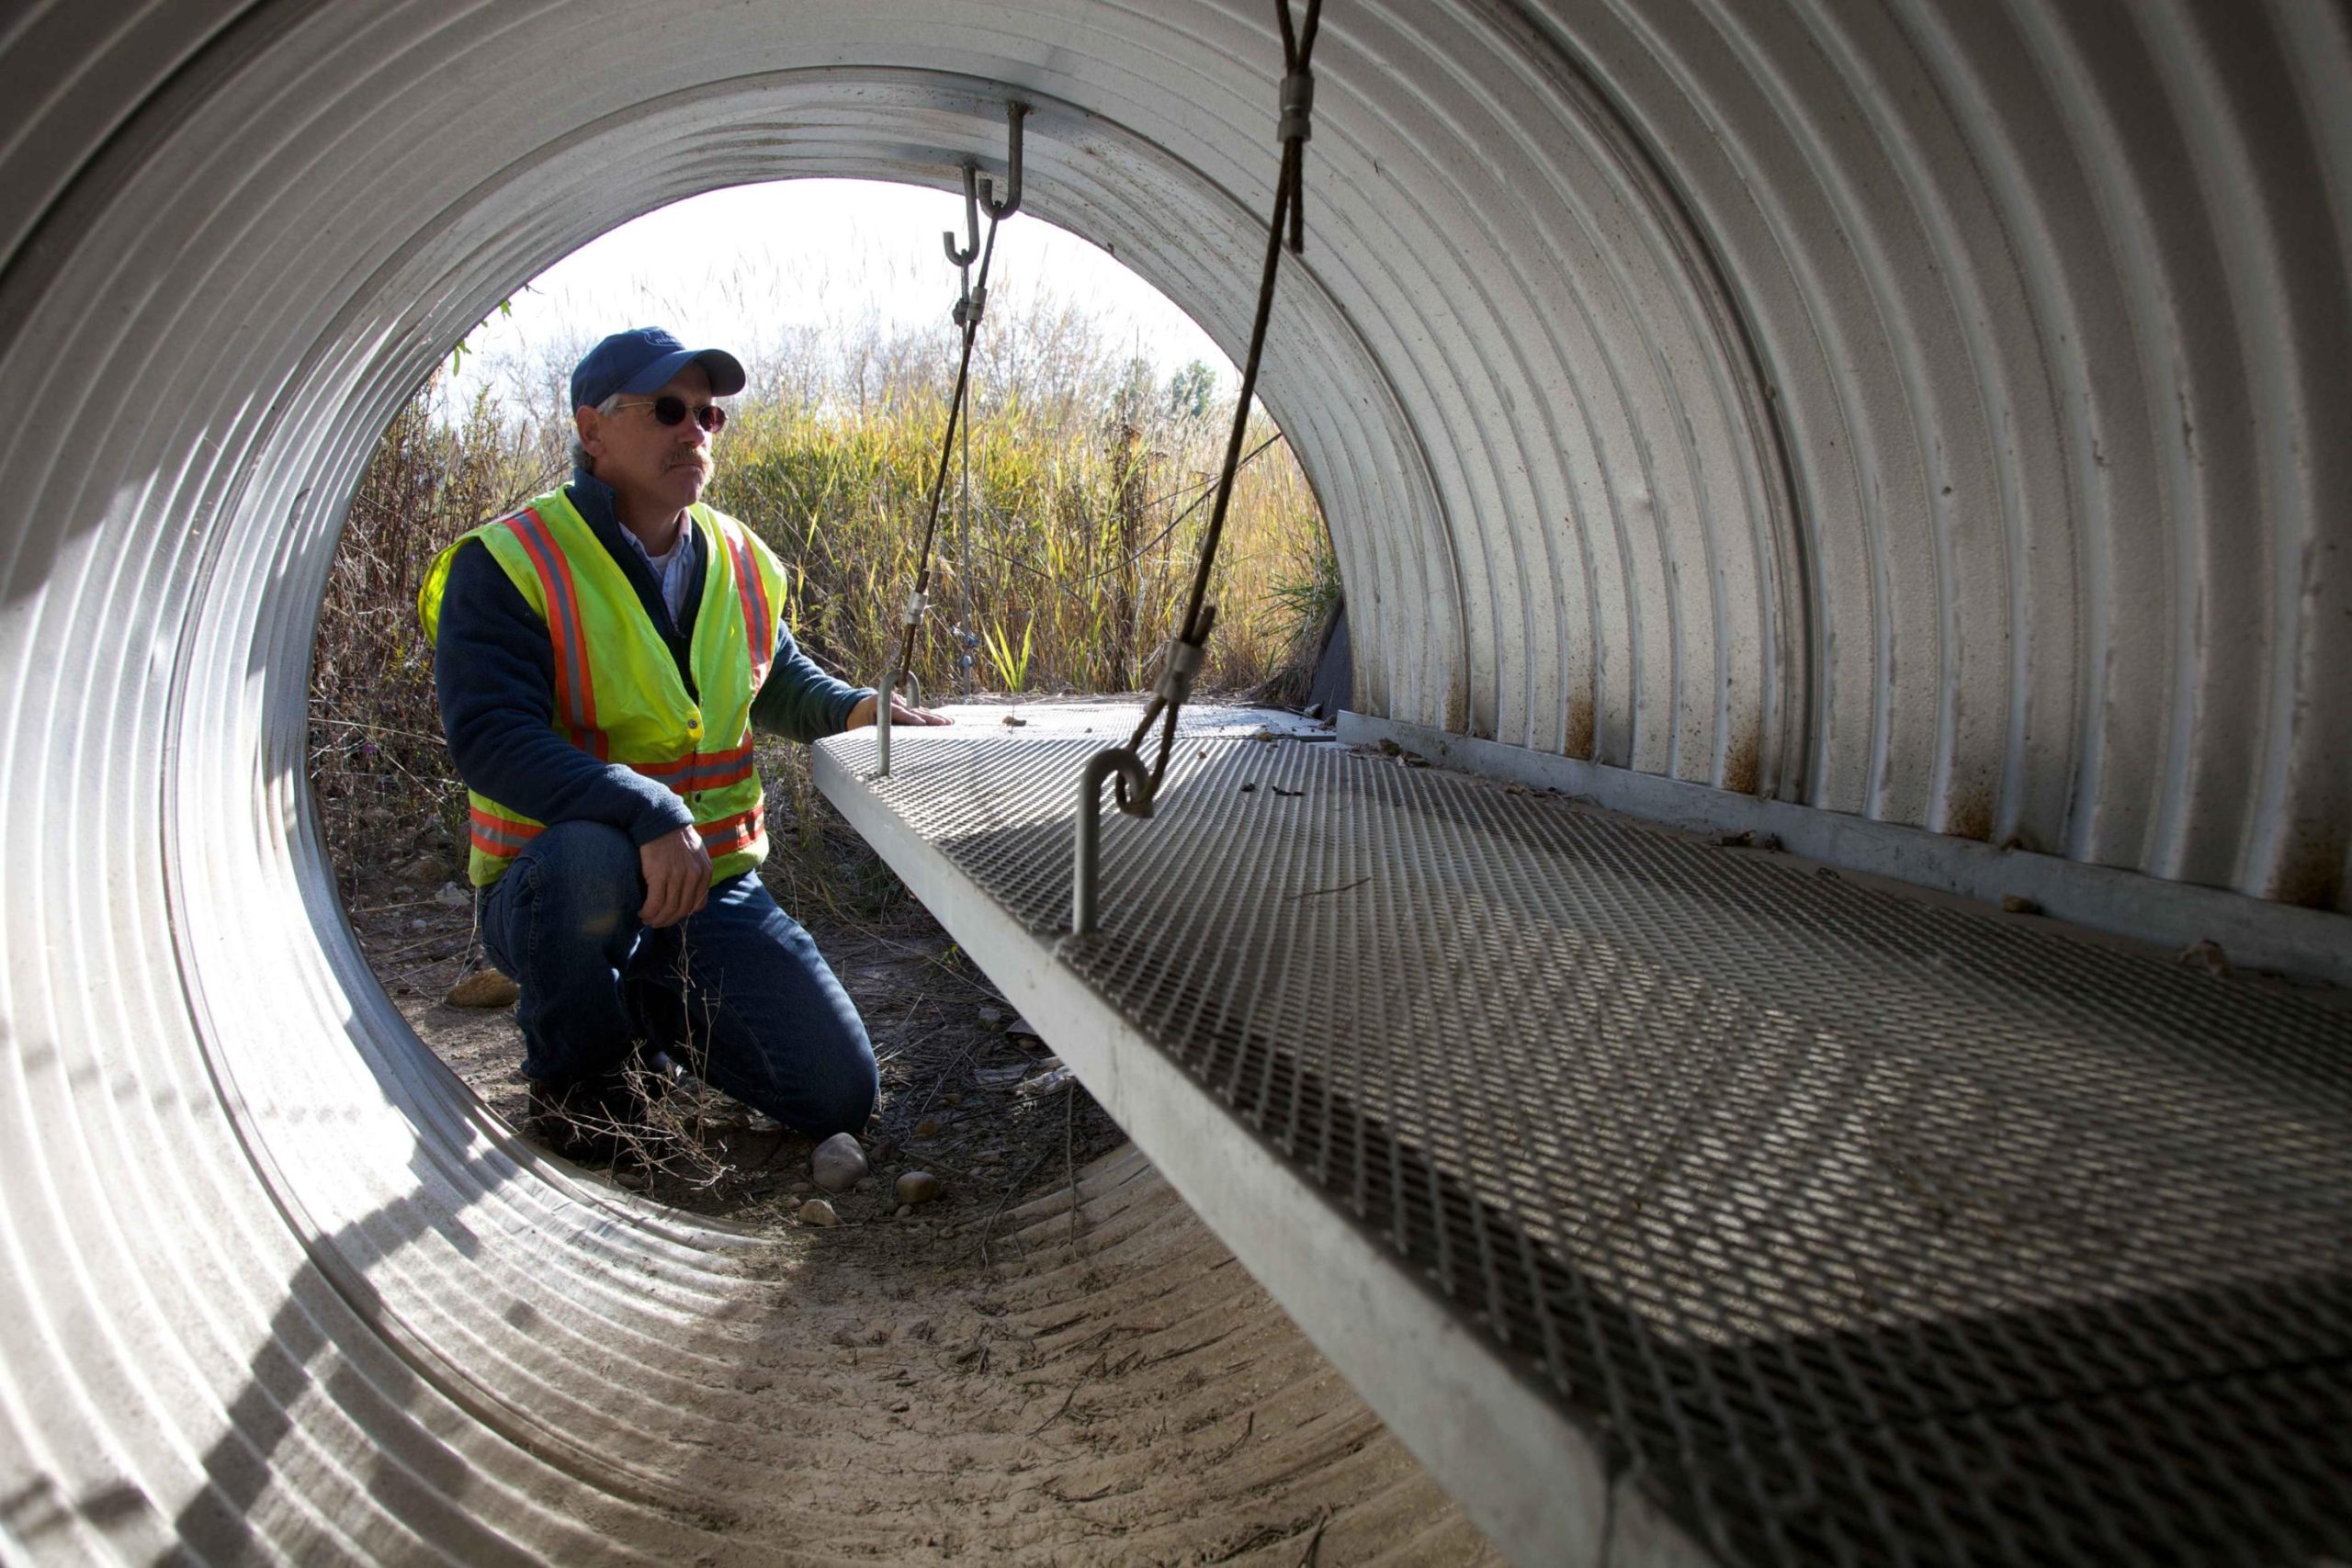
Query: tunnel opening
x,y
1068,533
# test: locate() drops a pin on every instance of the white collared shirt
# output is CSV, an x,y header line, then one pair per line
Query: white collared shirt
x,y
672,572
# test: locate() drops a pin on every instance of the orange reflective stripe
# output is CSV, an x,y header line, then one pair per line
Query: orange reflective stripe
x,y
501,836
729,834
575,691
702,769
759,631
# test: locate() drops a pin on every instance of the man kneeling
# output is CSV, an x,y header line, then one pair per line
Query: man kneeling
x,y
602,658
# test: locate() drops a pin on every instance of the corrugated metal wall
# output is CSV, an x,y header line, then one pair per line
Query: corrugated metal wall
x,y
1921,411
1927,410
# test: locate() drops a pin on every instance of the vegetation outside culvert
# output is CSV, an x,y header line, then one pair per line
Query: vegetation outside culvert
x,y
1089,472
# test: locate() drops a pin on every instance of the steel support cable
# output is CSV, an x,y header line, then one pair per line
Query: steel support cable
x,y
1133,785
961,259
970,307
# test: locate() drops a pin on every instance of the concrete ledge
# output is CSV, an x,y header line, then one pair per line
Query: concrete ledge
x,y
2306,943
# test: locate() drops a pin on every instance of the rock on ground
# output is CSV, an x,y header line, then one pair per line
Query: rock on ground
x,y
484,988
919,1187
838,1163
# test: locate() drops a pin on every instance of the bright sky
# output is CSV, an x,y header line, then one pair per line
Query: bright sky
x,y
730,268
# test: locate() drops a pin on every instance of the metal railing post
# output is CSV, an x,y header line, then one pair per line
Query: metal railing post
x,y
890,679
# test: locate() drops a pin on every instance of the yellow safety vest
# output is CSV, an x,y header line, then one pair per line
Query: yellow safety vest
x,y
618,694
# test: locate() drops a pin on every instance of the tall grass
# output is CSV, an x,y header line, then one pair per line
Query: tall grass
x,y
1089,484
379,765
1083,527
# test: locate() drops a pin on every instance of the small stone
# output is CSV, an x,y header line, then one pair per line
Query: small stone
x,y
927,1128
420,924
2016,903
635,1177
1249,789
2207,956
901,1212
1389,748
816,1212
1734,841
1768,842
952,1097
990,1016
838,1163
425,868
452,897
484,988
919,1187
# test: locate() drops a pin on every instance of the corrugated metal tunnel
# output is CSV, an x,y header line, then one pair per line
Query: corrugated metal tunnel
x,y
1918,411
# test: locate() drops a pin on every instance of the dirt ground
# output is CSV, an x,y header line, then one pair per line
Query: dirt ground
x,y
1053,1362
968,1094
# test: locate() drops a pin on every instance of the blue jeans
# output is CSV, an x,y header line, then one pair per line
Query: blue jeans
x,y
737,990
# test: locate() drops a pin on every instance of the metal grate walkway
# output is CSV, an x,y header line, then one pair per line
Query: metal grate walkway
x,y
1843,1225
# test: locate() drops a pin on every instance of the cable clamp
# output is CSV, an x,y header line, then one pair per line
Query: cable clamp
x,y
1184,661
917,603
1298,107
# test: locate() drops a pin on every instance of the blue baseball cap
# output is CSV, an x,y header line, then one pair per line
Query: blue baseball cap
x,y
643,360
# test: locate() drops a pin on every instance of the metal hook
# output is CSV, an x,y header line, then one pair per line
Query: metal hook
x,y
971,251
1015,113
1086,861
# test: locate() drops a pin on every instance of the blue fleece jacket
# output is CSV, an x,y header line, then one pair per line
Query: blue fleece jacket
x,y
495,673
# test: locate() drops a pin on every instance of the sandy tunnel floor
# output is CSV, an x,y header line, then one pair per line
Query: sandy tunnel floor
x,y
1003,1373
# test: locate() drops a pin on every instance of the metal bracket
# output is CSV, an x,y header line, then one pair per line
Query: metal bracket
x,y
1086,861
1183,663
968,252
1015,113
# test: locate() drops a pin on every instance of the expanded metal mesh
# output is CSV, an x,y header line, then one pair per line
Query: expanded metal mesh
x,y
1862,1228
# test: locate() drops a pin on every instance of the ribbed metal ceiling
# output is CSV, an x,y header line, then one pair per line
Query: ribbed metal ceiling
x,y
1925,410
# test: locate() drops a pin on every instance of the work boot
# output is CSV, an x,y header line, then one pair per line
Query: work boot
x,y
586,1119
664,1071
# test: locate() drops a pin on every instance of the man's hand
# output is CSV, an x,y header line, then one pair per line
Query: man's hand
x,y
863,713
677,876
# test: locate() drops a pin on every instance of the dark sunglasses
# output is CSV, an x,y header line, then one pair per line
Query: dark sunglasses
x,y
671,411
